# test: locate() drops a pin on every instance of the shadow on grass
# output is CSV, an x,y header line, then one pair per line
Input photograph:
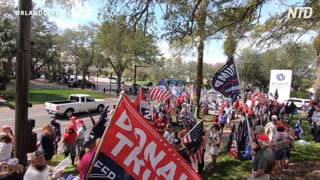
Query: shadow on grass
x,y
228,168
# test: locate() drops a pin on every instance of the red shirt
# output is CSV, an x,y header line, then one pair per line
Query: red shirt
x,y
160,124
85,162
70,138
236,104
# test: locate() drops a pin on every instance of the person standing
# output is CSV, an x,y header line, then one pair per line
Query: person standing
x,y
8,130
316,123
203,148
223,120
281,144
271,127
5,147
169,134
263,162
184,131
69,142
293,108
160,123
81,131
38,169
214,142
46,142
57,129
87,157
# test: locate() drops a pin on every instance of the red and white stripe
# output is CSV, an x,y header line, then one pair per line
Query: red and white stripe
x,y
158,94
197,156
234,149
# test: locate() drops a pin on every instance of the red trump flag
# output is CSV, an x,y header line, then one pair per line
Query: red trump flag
x,y
132,149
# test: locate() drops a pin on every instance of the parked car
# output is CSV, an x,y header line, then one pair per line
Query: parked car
x,y
78,83
298,102
75,104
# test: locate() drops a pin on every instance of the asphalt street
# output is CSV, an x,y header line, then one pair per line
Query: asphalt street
x,y
41,117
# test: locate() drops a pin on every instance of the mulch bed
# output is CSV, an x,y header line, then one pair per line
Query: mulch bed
x,y
307,170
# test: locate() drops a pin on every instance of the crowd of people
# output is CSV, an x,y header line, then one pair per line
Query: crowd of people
x,y
270,123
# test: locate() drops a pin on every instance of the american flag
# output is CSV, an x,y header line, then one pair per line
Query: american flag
x,y
193,141
159,94
298,129
163,83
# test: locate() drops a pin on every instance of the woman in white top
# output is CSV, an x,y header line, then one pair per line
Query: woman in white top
x,y
5,147
169,133
81,131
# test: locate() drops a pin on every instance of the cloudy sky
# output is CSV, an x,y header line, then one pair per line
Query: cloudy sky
x,y
86,12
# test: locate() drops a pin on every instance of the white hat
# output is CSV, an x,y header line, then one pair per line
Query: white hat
x,y
274,117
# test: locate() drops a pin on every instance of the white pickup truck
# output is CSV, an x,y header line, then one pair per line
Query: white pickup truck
x,y
76,103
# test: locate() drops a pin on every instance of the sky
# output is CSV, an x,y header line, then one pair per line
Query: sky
x,y
84,13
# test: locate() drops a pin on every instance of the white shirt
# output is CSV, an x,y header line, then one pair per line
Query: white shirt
x,y
34,174
169,136
270,130
5,151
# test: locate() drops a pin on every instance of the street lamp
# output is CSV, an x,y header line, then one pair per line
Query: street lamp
x,y
98,70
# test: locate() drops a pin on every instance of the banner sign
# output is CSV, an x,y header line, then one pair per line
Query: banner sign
x,y
280,80
132,149
226,80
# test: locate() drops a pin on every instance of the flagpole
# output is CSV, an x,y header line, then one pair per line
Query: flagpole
x,y
103,136
235,65
140,97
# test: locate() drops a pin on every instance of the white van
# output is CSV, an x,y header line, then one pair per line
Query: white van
x,y
298,102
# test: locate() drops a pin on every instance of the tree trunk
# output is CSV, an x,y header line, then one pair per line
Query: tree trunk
x,y
317,93
201,34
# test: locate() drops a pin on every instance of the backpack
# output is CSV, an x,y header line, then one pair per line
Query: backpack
x,y
283,142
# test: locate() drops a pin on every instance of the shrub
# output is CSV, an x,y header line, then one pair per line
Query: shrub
x,y
4,79
8,95
299,94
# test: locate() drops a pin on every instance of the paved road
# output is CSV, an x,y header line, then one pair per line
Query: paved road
x,y
37,112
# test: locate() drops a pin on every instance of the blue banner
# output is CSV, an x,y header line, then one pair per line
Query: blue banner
x,y
106,168
226,80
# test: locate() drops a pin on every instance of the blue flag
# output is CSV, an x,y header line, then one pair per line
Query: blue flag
x,y
226,80
163,83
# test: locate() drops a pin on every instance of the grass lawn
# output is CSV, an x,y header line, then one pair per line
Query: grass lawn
x,y
229,168
69,170
39,96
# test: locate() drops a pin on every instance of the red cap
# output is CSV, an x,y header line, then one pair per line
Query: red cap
x,y
73,118
280,125
262,137
71,126
79,121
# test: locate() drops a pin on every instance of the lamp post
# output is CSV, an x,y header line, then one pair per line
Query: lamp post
x,y
135,72
22,78
98,70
